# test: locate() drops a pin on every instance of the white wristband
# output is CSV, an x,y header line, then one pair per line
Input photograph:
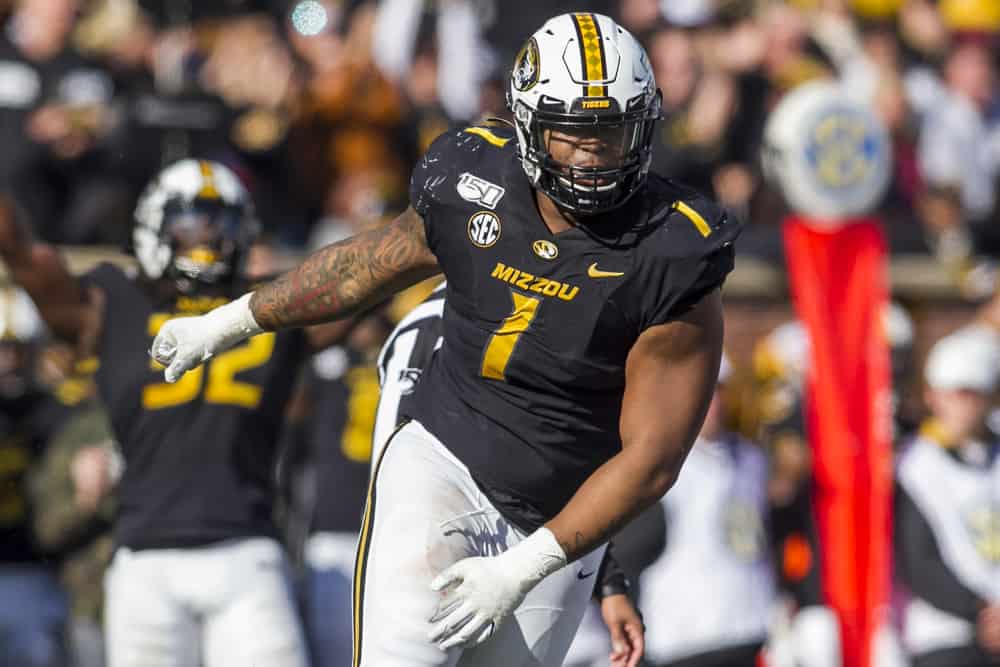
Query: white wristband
x,y
234,321
535,557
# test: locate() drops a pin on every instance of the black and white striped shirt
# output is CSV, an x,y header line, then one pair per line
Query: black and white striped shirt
x,y
401,361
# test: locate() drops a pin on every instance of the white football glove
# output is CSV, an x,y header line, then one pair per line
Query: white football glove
x,y
487,590
185,342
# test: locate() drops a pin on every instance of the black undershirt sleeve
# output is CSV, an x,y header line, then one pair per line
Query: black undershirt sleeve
x,y
635,547
920,566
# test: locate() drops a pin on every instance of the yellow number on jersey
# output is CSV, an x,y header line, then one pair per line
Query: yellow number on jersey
x,y
504,340
223,388
15,457
164,395
362,402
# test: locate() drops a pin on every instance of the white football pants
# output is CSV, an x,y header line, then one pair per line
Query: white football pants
x,y
424,513
217,606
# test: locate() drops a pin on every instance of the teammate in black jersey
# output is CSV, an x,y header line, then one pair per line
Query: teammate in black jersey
x,y
338,403
582,339
198,573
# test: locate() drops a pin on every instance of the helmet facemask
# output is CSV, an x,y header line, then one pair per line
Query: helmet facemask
x,y
206,238
606,152
193,224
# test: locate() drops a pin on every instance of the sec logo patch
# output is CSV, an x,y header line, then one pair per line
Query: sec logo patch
x,y
484,229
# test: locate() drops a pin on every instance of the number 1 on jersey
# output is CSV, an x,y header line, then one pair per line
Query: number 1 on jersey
x,y
504,340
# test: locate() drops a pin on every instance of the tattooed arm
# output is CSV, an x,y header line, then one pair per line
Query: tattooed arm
x,y
335,282
348,277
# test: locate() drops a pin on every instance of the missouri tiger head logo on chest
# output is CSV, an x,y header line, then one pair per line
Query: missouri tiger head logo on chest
x,y
545,249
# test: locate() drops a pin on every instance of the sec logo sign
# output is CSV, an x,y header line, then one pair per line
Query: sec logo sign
x,y
484,229
831,157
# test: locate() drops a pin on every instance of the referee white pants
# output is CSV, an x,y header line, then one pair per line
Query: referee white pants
x,y
217,606
425,512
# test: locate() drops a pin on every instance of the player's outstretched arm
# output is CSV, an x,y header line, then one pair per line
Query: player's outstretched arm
x,y
337,281
348,277
670,376
68,309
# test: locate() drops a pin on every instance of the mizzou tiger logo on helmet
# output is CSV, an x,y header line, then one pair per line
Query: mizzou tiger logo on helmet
x,y
526,68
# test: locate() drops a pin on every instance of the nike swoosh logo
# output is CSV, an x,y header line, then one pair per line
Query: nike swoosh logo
x,y
583,575
595,272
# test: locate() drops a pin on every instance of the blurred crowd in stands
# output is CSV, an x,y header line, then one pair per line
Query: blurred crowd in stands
x,y
323,105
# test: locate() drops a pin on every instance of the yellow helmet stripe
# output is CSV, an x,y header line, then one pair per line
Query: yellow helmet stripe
x,y
208,189
591,54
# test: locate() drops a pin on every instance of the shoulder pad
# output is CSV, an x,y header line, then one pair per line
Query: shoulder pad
x,y
495,135
460,142
453,153
705,217
695,224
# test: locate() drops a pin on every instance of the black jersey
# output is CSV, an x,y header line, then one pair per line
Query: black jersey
x,y
26,424
527,387
343,388
200,453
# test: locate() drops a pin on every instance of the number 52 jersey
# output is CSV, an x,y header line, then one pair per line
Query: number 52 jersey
x,y
200,453
527,387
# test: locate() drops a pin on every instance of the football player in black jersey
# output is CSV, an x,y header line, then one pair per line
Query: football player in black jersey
x,y
198,573
401,362
582,340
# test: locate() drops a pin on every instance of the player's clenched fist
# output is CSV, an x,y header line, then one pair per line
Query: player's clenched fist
x,y
186,342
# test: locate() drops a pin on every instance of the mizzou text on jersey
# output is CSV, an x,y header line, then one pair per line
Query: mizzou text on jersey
x,y
547,320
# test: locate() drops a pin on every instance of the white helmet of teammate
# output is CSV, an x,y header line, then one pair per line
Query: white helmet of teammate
x,y
194,223
583,75
831,157
19,319
21,330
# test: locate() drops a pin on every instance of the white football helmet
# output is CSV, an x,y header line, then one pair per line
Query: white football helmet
x,y
21,331
583,75
194,223
19,319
